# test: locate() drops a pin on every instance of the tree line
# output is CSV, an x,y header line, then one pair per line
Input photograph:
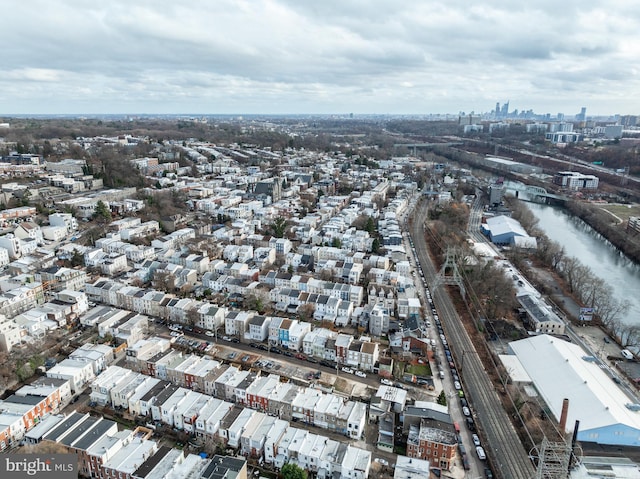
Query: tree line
x,y
582,283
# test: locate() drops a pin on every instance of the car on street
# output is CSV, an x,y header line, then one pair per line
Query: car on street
x,y
382,462
386,382
347,370
456,385
360,374
475,439
481,454
210,333
466,411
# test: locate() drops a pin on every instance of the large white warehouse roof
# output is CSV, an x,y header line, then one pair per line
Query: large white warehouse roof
x,y
562,370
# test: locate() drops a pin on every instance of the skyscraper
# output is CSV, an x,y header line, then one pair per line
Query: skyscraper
x,y
505,110
582,116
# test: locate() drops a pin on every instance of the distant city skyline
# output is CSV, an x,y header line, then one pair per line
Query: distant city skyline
x,y
330,57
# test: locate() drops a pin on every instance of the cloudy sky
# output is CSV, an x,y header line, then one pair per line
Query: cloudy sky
x,y
318,56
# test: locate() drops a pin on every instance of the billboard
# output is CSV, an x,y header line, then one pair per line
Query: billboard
x,y
586,314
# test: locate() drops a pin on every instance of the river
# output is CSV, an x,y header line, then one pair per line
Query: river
x,y
581,241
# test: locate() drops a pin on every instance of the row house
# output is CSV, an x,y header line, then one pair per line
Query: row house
x,y
233,431
257,395
21,298
356,240
186,409
376,318
158,391
99,355
140,253
211,317
162,362
210,418
103,290
166,404
236,323
315,341
253,441
327,410
103,384
78,373
238,254
191,372
127,460
304,404
122,224
432,444
362,354
342,344
137,354
136,399
258,328
141,230
383,295
288,333
199,263
24,409
174,239
409,308
264,256
281,245
125,389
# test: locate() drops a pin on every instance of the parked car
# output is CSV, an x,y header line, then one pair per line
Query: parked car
x,y
466,411
475,439
386,382
480,452
210,333
360,374
347,370
382,462
456,384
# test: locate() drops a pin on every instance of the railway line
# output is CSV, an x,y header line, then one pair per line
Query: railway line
x,y
503,446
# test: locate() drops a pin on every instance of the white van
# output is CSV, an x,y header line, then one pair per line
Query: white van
x,y
480,452
626,354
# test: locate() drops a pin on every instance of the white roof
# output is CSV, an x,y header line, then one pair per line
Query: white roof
x,y
514,368
559,371
500,225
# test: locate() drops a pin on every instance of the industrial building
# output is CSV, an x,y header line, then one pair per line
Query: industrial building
x,y
503,230
561,370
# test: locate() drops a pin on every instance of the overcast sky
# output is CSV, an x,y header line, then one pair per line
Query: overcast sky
x,y
319,56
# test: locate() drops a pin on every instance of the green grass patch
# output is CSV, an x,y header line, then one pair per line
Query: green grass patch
x,y
418,369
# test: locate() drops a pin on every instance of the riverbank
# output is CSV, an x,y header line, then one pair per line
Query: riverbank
x,y
608,224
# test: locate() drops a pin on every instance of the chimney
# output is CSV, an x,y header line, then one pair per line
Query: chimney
x,y
563,416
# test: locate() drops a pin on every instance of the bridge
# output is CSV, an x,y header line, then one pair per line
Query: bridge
x,y
415,146
537,194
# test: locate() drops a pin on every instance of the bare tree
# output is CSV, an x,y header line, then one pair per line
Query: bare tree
x,y
192,316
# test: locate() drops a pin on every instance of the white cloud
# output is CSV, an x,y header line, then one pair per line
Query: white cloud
x,y
332,56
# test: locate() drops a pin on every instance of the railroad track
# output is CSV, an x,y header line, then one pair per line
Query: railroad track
x,y
503,446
